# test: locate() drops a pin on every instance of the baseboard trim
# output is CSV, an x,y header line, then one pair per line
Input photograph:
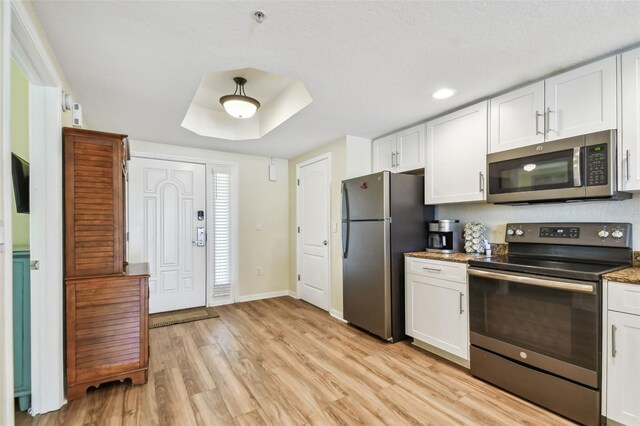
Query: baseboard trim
x,y
293,294
259,296
337,315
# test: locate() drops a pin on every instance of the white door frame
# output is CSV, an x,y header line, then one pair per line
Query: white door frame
x,y
45,146
233,167
6,241
321,157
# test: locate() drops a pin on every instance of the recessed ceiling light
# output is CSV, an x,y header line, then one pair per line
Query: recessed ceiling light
x,y
443,93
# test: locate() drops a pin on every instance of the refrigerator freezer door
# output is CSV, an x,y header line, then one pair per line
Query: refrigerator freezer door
x,y
366,197
366,278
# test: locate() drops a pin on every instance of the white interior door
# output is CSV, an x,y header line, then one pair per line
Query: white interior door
x,y
164,200
313,235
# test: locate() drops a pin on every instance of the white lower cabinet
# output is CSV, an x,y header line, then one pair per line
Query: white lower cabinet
x,y
437,305
623,353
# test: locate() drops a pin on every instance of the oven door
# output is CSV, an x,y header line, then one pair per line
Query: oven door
x,y
552,171
548,323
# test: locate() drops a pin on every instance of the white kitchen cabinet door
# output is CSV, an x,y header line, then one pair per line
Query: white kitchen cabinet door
x,y
410,148
384,154
630,132
517,118
582,100
623,369
456,156
437,313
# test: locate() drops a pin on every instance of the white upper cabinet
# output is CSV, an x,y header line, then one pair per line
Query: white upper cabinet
x,y
630,131
384,154
582,100
517,118
401,151
456,156
410,144
574,103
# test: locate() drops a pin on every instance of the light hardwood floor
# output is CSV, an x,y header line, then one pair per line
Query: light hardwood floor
x,y
283,361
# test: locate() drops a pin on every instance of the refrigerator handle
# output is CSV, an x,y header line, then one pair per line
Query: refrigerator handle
x,y
346,224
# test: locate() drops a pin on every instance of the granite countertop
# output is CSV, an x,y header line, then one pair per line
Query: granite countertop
x,y
452,257
628,275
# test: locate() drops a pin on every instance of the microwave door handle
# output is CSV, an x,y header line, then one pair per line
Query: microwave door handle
x,y
577,172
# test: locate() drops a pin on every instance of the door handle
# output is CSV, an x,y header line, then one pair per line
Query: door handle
x,y
325,242
201,237
628,155
613,341
577,172
346,220
549,129
538,132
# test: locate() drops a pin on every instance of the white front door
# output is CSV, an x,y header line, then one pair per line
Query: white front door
x,y
313,235
164,200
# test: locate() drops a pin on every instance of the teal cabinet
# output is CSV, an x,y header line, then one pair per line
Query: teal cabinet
x,y
22,328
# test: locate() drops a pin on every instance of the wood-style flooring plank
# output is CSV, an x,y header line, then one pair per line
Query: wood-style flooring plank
x,y
284,362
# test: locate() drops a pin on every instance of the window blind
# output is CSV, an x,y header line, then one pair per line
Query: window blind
x,y
222,233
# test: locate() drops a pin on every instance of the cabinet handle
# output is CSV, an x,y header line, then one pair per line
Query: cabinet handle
x,y
481,182
393,159
538,132
431,269
549,129
461,308
397,159
613,341
628,155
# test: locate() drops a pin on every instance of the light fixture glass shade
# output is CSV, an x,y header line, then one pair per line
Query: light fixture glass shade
x,y
239,105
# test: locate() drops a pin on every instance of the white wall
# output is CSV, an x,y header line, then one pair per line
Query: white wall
x,y
260,201
495,217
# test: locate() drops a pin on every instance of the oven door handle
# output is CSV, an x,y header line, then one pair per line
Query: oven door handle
x,y
559,285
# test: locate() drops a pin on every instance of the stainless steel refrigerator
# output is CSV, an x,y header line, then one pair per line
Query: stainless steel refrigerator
x,y
383,216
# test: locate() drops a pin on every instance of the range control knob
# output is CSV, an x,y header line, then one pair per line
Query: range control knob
x,y
519,232
603,233
510,232
617,234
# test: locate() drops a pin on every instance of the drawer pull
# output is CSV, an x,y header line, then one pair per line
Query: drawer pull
x,y
432,269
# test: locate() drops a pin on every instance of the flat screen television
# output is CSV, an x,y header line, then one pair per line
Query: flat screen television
x,y
20,172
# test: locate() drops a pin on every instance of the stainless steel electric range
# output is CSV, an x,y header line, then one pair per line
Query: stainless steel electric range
x,y
536,313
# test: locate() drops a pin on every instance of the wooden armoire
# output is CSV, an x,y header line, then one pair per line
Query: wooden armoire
x,y
106,300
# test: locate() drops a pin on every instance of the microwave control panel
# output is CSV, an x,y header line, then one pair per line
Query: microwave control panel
x,y
597,170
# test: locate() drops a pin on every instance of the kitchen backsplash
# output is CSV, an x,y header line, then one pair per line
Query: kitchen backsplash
x,y
495,217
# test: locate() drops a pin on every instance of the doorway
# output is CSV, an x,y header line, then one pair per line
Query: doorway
x,y
313,179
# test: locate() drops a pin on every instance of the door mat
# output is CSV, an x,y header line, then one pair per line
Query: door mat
x,y
164,319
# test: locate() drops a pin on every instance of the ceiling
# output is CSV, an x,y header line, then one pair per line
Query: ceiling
x,y
370,66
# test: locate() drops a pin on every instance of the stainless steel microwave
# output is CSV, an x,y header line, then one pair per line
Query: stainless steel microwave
x,y
576,168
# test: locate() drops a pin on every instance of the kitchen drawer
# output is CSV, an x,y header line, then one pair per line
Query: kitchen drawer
x,y
450,271
624,297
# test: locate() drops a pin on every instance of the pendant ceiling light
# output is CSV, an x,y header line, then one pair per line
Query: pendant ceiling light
x,y
239,105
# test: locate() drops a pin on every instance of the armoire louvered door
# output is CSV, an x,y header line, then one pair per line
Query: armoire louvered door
x,y
94,194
